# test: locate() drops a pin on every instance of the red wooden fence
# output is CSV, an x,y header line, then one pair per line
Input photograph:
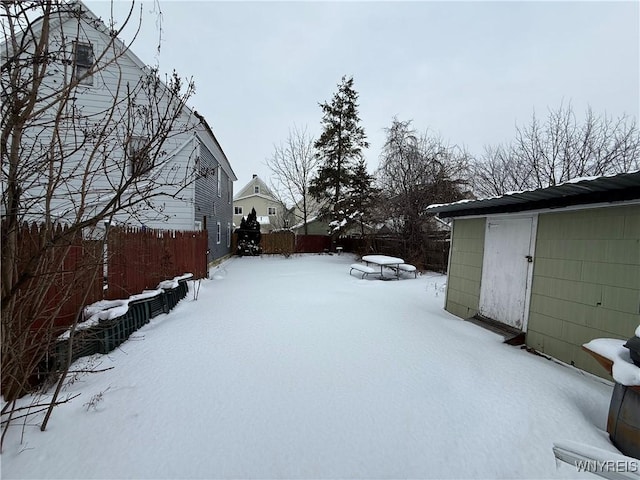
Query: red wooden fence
x,y
312,243
57,272
63,272
139,259
69,272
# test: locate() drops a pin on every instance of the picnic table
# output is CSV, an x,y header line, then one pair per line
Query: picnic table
x,y
384,261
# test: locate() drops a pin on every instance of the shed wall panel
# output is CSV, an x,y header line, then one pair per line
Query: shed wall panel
x,y
465,269
586,281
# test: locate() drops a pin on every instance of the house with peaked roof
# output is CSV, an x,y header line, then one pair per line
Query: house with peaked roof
x,y
272,214
192,189
559,264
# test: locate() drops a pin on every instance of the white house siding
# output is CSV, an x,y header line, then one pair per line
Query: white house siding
x,y
91,101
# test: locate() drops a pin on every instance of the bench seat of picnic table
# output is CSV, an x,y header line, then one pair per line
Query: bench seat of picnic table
x,y
363,269
407,268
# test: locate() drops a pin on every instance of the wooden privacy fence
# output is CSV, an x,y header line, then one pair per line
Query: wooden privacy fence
x,y
140,258
63,271
433,252
287,242
312,243
57,272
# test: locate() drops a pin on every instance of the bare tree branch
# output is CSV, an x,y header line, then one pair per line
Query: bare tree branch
x,y
293,164
558,150
89,136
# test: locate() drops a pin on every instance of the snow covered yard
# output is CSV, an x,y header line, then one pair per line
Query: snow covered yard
x,y
292,368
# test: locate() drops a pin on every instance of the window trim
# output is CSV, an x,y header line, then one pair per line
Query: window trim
x,y
218,233
87,80
228,234
132,151
236,208
269,210
256,189
219,172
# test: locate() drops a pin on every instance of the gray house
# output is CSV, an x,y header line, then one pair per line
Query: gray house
x,y
213,192
560,264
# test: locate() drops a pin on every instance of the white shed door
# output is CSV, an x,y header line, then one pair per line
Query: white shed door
x,y
505,269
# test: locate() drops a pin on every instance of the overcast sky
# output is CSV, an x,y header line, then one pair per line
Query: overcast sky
x,y
468,71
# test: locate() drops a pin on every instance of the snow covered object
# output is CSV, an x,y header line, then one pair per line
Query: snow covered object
x,y
633,344
623,422
249,235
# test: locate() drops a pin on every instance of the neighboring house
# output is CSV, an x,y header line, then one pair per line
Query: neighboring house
x,y
319,225
561,264
190,200
316,225
271,213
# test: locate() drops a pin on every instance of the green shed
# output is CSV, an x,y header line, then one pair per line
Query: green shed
x,y
559,264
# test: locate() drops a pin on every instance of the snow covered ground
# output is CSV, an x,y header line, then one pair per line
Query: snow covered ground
x,y
292,368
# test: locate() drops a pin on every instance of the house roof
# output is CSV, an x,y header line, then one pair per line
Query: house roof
x,y
579,191
247,191
224,161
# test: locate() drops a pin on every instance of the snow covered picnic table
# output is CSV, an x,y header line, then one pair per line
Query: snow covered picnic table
x,y
395,263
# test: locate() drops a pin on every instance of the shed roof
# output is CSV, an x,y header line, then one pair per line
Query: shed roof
x,y
579,191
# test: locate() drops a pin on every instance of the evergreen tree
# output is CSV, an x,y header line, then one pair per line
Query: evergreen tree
x,y
252,221
362,195
249,235
338,148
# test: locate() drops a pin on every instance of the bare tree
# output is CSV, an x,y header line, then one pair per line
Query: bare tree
x,y
74,154
561,148
417,170
293,164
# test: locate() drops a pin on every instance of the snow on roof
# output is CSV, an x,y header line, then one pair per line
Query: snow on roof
x,y
309,220
576,191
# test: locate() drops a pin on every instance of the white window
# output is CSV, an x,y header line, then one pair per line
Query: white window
x,y
271,211
228,235
82,62
218,234
256,189
237,211
229,190
219,172
139,159
198,225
